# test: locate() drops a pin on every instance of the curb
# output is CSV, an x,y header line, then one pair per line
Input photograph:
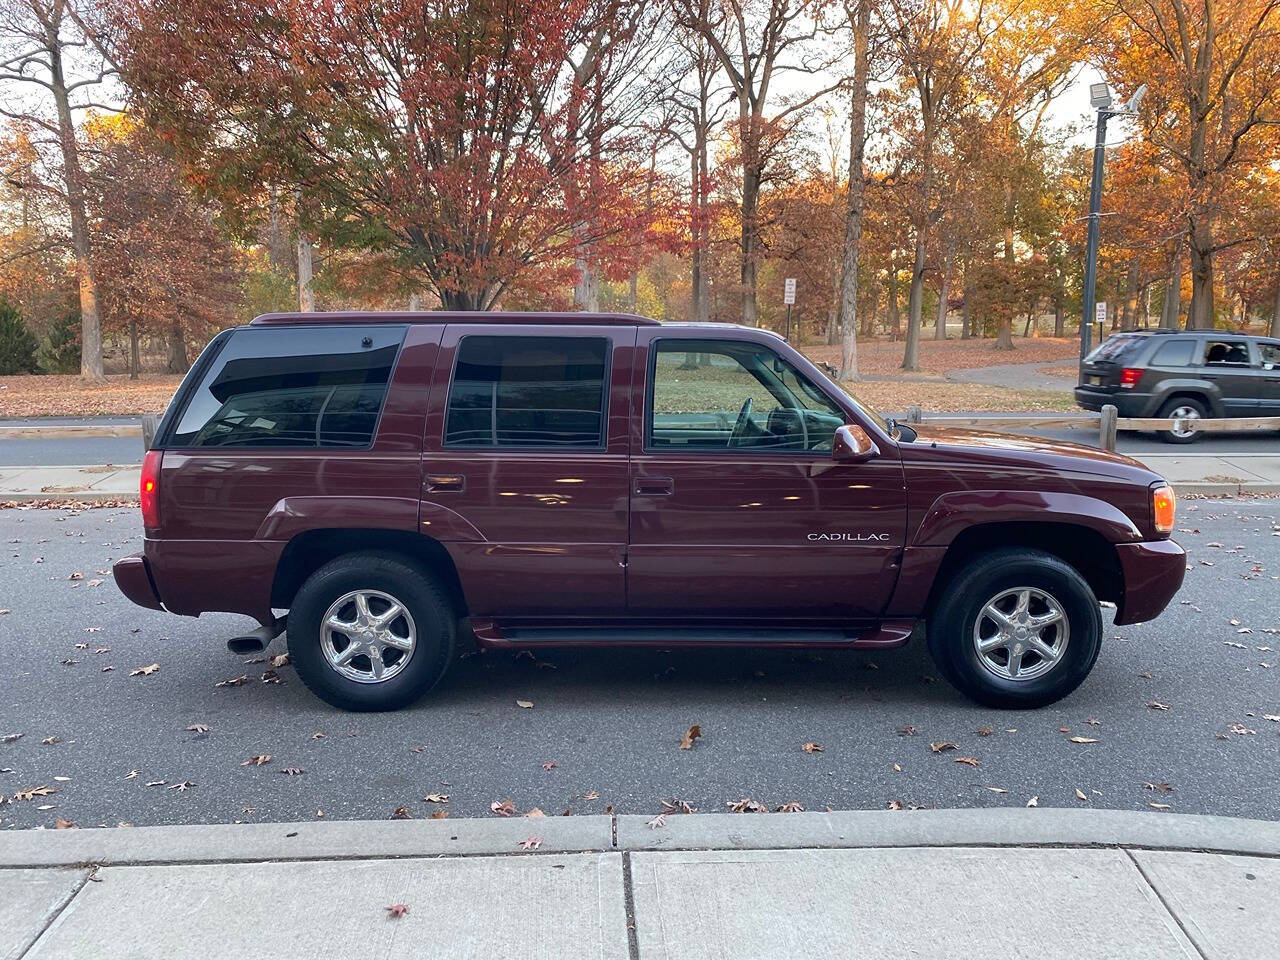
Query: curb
x,y
856,829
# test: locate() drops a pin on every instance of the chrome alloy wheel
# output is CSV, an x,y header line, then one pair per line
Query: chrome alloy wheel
x,y
1185,414
367,636
1021,634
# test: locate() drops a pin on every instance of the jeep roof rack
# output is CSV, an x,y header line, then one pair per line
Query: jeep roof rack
x,y
453,316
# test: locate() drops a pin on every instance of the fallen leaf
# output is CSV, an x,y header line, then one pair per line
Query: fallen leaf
x,y
10,737
280,660
440,814
942,746
747,805
239,681
895,805
534,813
1094,722
791,807
690,735
256,760
1080,794
270,676
317,735
678,806
82,646
970,761
1159,787
996,789
131,775
659,821
157,783
1158,806
31,793
397,910
1157,705
985,731
50,741
1083,740
530,843
504,808
95,582
401,813
183,786
907,731
591,795
550,765
77,575
293,771
1033,802
144,671
436,798
524,704
198,728
811,747
61,824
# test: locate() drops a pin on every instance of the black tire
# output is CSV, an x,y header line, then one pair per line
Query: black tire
x,y
951,628
434,622
1187,405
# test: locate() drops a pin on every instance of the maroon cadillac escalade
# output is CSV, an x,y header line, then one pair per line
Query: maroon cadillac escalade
x,y
378,484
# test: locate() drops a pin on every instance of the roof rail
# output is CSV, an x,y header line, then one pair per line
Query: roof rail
x,y
454,316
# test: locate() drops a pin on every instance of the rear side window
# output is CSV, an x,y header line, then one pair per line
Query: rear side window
x,y
1228,353
292,387
1175,353
1112,347
528,392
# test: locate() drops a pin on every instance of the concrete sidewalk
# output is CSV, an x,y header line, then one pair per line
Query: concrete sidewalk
x,y
1229,475
867,884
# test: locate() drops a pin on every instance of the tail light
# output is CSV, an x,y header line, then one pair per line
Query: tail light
x,y
1129,378
149,489
1163,506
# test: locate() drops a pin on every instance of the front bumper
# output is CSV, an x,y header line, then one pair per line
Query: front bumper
x,y
134,580
1153,572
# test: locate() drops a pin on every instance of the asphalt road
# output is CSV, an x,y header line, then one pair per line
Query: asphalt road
x,y
122,450
603,731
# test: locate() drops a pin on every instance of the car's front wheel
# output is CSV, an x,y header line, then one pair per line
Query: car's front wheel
x,y
1016,628
371,631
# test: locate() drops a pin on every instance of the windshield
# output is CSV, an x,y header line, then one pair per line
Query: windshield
x,y
867,411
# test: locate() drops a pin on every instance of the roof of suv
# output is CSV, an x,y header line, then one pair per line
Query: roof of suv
x,y
452,316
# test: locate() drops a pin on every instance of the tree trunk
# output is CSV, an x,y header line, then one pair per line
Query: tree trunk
x,y
696,293
1059,301
856,206
915,306
966,310
1275,310
178,362
750,202
275,240
1200,247
895,318
1172,305
135,362
944,291
306,294
1129,315
91,369
586,291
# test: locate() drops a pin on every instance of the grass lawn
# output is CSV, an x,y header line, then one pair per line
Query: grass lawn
x,y
66,396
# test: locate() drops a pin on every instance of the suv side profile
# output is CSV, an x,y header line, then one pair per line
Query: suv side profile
x,y
1183,374
381,485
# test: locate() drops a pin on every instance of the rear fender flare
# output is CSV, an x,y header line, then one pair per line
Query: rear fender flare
x,y
295,515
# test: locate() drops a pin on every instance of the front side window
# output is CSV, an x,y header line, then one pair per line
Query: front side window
x,y
731,395
292,387
1226,353
514,391
1270,354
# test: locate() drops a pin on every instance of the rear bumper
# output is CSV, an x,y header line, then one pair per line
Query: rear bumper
x,y
1153,572
134,580
1127,404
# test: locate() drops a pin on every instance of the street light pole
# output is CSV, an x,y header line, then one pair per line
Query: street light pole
x,y
1091,247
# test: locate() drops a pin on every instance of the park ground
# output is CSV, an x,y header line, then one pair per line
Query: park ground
x,y
884,386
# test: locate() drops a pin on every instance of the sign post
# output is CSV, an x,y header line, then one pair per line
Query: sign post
x,y
789,298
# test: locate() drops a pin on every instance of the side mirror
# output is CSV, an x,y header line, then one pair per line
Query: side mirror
x,y
852,445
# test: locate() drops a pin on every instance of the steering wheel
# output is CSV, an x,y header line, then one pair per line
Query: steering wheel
x,y
740,425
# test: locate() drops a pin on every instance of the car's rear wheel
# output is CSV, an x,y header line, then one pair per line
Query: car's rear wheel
x,y
1186,410
1016,628
371,631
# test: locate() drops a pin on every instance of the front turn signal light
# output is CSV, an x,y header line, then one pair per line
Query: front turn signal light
x,y
1163,506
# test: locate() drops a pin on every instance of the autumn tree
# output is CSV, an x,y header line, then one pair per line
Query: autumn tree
x,y
1214,73
51,69
445,132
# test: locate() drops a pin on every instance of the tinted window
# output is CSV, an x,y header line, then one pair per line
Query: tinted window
x,y
1229,352
732,395
528,392
1112,347
292,387
1270,353
1175,353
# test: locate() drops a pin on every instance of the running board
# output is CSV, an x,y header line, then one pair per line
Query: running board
x,y
893,633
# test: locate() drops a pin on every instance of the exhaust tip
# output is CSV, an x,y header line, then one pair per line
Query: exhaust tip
x,y
242,645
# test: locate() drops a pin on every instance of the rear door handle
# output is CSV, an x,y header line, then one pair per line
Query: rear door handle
x,y
655,486
444,483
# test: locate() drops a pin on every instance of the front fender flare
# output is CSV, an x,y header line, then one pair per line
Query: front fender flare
x,y
953,512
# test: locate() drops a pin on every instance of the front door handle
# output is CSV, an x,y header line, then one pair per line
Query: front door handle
x,y
655,486
444,483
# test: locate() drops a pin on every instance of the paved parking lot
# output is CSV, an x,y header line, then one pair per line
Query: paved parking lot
x,y
1178,708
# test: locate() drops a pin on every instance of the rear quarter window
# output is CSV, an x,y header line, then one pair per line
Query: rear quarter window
x,y
1174,353
291,387
1113,347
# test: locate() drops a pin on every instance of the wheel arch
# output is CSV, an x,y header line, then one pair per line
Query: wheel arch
x,y
311,549
1211,403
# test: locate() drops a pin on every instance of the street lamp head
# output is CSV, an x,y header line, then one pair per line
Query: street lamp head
x,y
1099,96
1131,106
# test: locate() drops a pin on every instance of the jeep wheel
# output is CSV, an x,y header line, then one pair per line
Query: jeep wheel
x,y
1016,629
371,631
1186,410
